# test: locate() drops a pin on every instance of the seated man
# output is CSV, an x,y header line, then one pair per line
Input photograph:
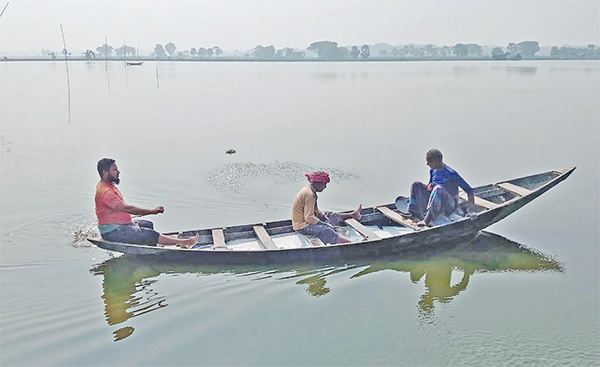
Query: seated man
x,y
114,215
440,196
307,219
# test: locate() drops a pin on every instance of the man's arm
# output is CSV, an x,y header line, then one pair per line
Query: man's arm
x,y
469,190
114,202
134,210
309,210
471,201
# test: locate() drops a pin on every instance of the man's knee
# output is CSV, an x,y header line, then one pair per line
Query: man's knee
x,y
417,185
439,188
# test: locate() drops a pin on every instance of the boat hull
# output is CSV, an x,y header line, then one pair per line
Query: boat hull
x,y
382,248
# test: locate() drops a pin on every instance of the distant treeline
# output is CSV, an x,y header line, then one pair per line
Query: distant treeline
x,y
329,50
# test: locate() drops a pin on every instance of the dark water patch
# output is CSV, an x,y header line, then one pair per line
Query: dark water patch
x,y
522,70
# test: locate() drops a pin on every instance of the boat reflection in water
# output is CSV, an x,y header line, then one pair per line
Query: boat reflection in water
x,y
128,280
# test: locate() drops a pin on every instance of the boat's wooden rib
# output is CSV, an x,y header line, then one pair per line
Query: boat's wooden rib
x,y
265,240
219,238
389,213
479,201
521,191
361,229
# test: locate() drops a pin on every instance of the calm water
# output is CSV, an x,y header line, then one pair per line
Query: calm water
x,y
526,294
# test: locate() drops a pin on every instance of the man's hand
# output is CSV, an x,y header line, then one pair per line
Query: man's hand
x,y
472,215
158,210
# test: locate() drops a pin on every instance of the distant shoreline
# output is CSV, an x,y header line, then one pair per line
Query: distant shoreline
x,y
224,59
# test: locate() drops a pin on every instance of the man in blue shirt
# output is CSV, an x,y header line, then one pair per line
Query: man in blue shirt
x,y
439,197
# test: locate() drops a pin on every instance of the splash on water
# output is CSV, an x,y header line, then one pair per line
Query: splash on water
x,y
240,179
4,143
81,231
235,177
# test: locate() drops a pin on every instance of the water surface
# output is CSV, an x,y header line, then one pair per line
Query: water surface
x,y
526,293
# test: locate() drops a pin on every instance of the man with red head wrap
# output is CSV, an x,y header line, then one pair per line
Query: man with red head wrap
x,y
307,219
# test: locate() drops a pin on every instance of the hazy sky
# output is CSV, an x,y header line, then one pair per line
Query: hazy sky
x,y
30,25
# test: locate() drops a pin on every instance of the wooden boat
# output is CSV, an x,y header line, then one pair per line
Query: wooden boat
x,y
387,233
134,63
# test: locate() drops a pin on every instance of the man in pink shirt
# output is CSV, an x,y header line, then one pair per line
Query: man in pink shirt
x,y
114,214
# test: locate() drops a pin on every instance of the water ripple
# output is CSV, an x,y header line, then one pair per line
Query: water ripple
x,y
238,179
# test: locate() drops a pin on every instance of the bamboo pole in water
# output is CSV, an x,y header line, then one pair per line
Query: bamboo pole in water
x,y
66,52
5,6
106,61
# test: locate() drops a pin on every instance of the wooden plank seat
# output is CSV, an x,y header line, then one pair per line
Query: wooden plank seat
x,y
360,228
521,191
315,241
219,238
265,239
389,213
479,201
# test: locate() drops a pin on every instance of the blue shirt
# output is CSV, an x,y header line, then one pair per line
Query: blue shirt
x,y
449,179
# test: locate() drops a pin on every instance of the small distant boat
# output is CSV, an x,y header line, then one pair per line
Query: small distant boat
x,y
134,63
380,232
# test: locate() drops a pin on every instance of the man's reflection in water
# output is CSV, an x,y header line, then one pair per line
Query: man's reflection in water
x,y
438,286
316,285
488,252
127,293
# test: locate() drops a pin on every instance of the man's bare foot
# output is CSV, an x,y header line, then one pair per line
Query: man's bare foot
x,y
356,214
190,242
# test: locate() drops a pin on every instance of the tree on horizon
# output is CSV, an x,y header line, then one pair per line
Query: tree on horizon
x,y
125,50
460,50
365,52
264,53
105,50
159,51
170,48
528,48
328,50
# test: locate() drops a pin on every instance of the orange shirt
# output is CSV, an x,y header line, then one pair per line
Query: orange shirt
x,y
107,198
305,210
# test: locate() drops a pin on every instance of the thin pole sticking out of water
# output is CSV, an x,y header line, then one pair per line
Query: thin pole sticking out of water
x,y
67,66
125,61
157,86
5,6
106,61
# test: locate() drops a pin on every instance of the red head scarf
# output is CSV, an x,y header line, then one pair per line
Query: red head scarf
x,y
318,176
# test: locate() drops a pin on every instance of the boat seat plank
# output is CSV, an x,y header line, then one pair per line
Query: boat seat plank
x,y
265,239
218,238
360,228
479,201
389,213
315,241
521,191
